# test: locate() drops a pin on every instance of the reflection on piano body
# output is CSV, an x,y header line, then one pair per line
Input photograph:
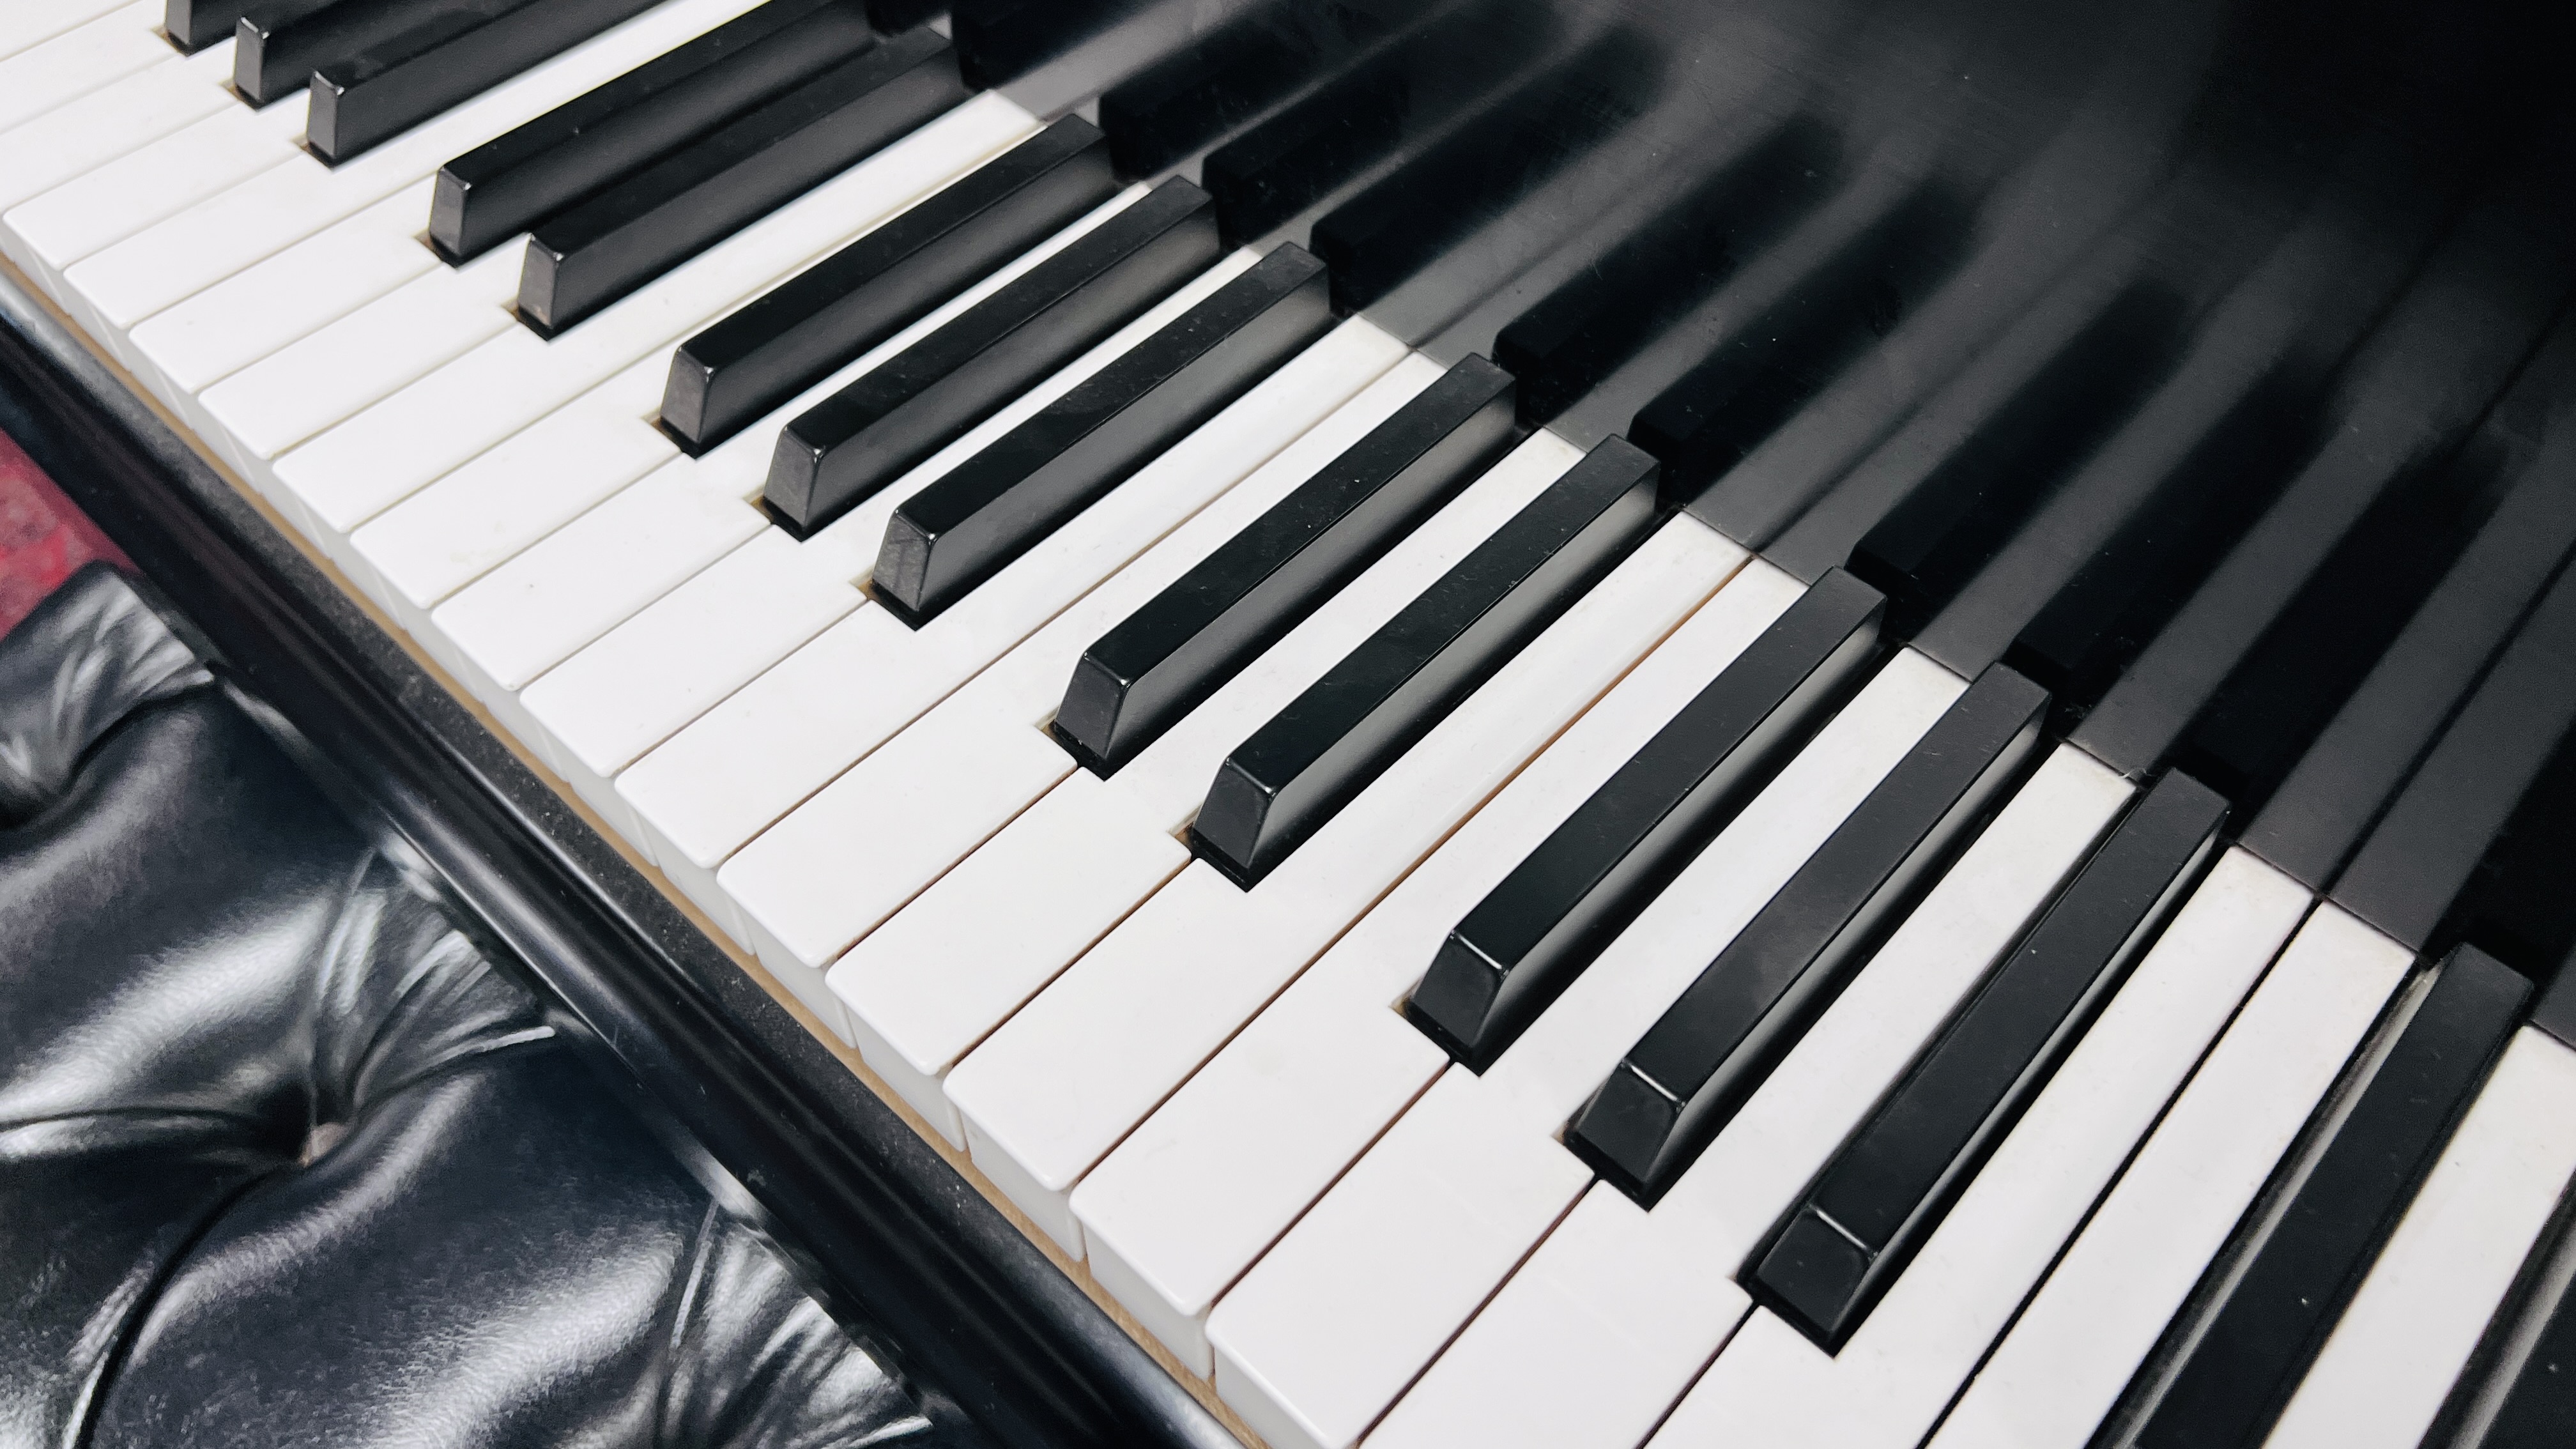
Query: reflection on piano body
x,y
1551,722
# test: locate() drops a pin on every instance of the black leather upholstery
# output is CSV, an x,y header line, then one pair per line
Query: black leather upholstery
x,y
285,1161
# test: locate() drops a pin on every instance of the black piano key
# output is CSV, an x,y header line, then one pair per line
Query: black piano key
x,y
2405,876
2230,1387
1540,926
1705,422
1579,333
582,259
2337,788
192,25
998,41
1888,1188
895,16
1298,159
507,184
1278,787
1685,1078
1160,661
871,432
395,85
793,336
1199,96
277,46
2535,1408
995,506
2516,905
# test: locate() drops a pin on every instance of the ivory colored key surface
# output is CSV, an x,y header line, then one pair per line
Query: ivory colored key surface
x,y
200,246
383,454
1187,1202
2389,1363
912,1000
846,859
1143,1009
1892,1380
667,665
27,23
786,734
2074,1348
82,60
42,152
1327,1329
106,205
1605,1325
443,537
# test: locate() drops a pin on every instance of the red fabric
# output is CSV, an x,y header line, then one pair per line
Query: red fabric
x,y
43,538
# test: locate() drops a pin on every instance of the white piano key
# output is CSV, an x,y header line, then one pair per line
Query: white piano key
x,y
48,150
532,613
671,662
752,758
305,387
2075,1348
80,60
1906,1362
1310,1346
289,295
28,23
183,255
1182,1206
386,453
2391,1360
832,869
1132,1019
1619,1308
112,202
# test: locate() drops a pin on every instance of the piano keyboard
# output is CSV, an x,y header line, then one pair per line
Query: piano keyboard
x,y
1863,796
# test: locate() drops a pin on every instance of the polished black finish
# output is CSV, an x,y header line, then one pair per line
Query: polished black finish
x,y
997,505
863,437
746,1095
277,46
835,310
2405,875
2258,1339
1160,661
1541,925
192,25
530,172
1685,1078
1280,786
2360,758
388,88
1887,1190
583,259
1203,94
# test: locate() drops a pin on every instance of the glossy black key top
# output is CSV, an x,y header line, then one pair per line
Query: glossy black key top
x,y
1888,1188
1281,785
583,259
871,432
1160,661
1685,1078
507,184
2406,874
1200,95
396,84
192,25
1540,926
892,16
833,311
278,46
2232,1384
997,505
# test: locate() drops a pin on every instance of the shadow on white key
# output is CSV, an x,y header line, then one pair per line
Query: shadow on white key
x,y
46,150
679,656
1910,1357
1186,1203
385,453
732,772
1616,1313
1331,1325
948,970
28,23
2385,1370
849,857
2076,1346
1137,1014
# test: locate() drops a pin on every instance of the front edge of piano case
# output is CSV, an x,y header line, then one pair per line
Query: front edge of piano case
x,y
890,1238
